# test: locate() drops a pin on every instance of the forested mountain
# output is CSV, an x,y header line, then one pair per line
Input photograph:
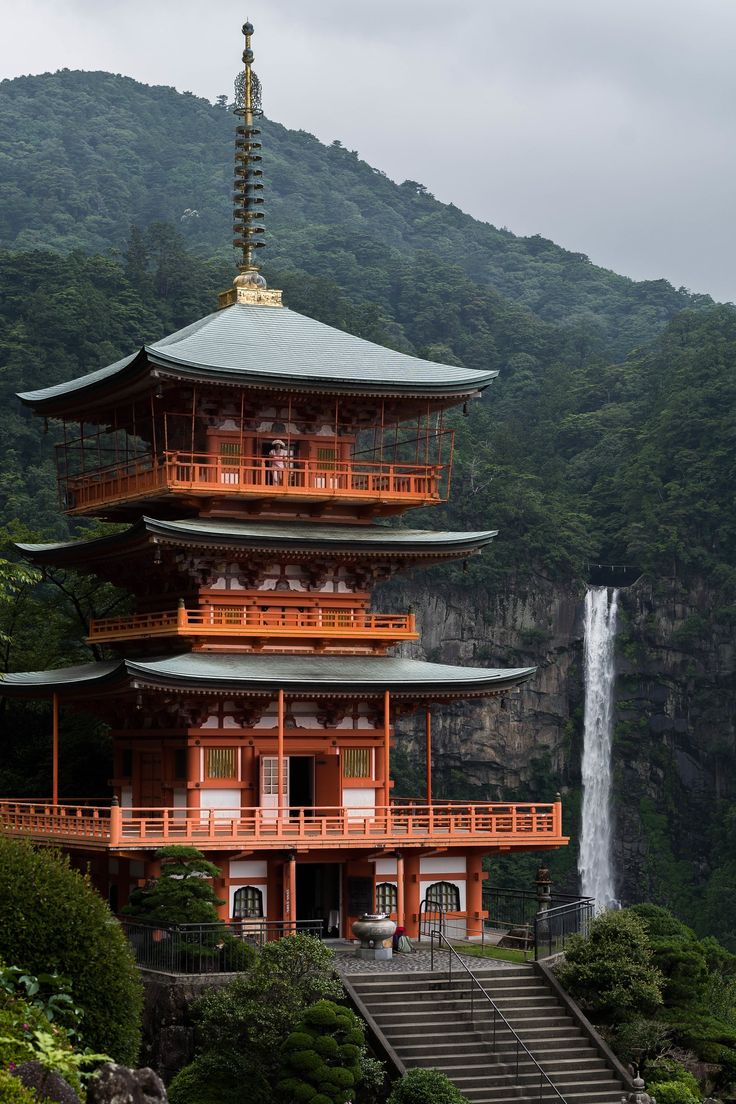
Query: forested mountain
x,y
85,155
609,436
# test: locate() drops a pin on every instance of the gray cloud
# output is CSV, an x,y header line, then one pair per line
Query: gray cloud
x,y
607,126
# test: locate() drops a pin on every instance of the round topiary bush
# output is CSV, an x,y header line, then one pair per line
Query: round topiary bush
x,y
425,1086
52,919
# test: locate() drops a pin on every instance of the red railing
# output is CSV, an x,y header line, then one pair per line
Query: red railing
x,y
494,825
252,621
255,476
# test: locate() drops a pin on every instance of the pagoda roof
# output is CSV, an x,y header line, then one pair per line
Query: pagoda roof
x,y
262,536
265,347
237,674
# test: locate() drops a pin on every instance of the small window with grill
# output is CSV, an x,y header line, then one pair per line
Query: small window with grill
x,y
444,896
326,459
386,899
356,763
221,762
248,903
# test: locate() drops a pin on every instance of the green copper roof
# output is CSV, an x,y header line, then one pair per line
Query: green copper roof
x,y
295,536
264,674
274,347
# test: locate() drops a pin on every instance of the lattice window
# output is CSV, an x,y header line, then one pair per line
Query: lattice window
x,y
356,762
230,450
386,897
326,459
221,762
270,776
248,903
444,896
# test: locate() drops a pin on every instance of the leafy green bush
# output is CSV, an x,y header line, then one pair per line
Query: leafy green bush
x,y
321,1058
425,1086
673,1092
13,1091
220,1079
52,919
611,973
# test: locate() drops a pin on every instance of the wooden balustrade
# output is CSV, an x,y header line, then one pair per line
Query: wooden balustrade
x,y
322,621
510,826
254,476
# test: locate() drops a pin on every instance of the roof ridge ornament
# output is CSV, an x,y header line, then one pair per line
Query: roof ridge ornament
x,y
249,286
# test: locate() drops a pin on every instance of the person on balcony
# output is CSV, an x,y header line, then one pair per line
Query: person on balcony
x,y
277,458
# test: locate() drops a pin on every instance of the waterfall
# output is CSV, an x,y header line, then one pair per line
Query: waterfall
x,y
594,861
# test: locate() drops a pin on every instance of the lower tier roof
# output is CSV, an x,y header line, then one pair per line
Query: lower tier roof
x,y
310,675
337,540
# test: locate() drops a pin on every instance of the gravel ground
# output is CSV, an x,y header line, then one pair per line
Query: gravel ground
x,y
347,962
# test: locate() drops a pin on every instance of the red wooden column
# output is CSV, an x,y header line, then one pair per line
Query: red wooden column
x,y
411,895
428,734
400,910
280,761
55,749
290,890
387,745
474,895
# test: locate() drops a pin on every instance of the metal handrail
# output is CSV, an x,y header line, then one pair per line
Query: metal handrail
x,y
497,1013
428,907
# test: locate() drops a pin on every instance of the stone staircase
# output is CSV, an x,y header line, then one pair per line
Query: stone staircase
x,y
426,1021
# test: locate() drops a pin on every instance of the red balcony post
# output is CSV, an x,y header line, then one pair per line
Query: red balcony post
x,y
428,734
280,759
116,823
557,815
55,749
400,910
387,745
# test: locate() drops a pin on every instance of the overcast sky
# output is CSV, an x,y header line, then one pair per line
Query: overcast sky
x,y
606,125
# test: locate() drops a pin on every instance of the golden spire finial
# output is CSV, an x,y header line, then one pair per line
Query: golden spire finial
x,y
248,226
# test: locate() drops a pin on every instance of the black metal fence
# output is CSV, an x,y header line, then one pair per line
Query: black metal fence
x,y
553,927
207,948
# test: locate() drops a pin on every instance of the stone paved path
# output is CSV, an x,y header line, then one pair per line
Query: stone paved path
x,y
347,962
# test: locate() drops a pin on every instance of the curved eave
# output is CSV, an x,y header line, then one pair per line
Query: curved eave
x,y
337,541
65,681
322,676
121,380
258,675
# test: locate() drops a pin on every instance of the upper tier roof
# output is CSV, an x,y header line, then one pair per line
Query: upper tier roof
x,y
296,537
271,348
311,675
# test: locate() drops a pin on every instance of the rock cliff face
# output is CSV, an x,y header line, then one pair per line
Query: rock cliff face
x,y
675,716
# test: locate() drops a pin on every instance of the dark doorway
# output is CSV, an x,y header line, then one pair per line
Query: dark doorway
x,y
301,781
318,895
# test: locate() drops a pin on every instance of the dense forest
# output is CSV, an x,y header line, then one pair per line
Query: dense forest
x,y
608,436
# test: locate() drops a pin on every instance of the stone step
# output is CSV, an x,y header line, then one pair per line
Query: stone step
x,y
592,1068
462,1001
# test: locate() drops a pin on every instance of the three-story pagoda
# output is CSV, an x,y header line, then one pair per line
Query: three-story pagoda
x,y
253,698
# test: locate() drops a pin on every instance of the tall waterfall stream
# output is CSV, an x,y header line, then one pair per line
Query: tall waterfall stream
x,y
595,863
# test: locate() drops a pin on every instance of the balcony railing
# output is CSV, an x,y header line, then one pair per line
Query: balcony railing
x,y
323,623
524,826
353,481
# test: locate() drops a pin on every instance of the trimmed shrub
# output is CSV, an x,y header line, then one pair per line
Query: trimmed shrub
x,y
318,1060
52,919
425,1086
673,1092
220,1079
611,973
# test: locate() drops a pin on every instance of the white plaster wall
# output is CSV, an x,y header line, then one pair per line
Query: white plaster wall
x,y
386,866
453,864
359,802
226,801
240,868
